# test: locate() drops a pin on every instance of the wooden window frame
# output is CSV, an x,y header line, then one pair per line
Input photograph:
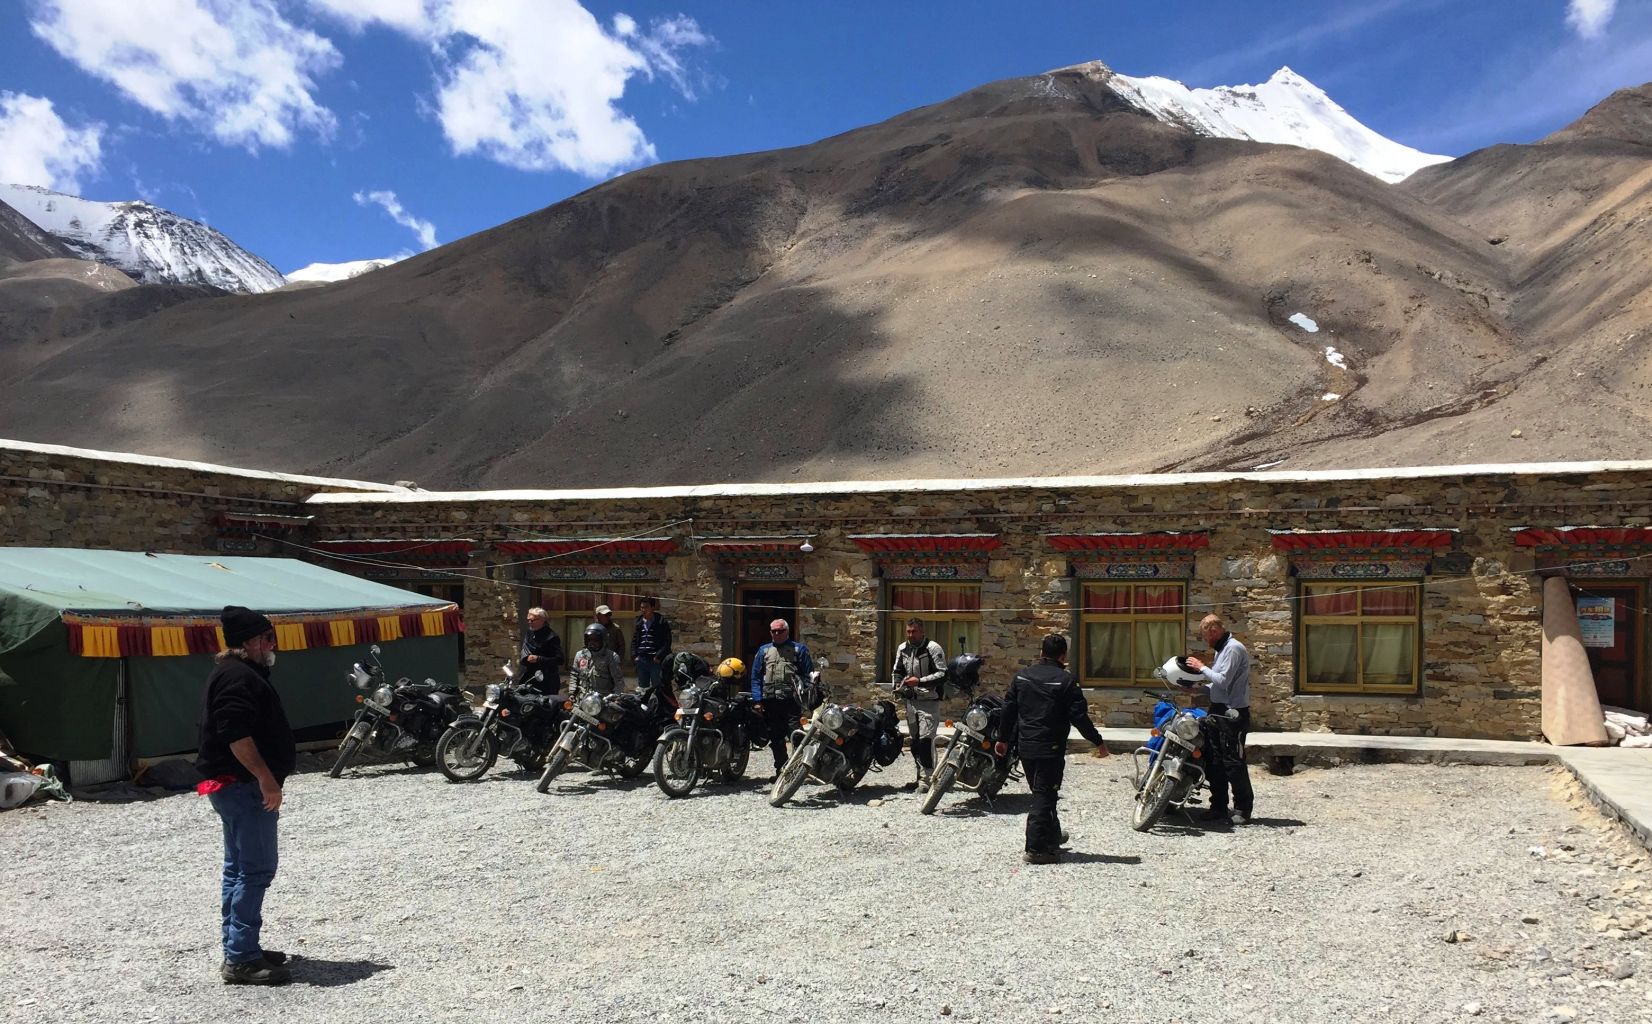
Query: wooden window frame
x,y
1358,620
573,637
1086,618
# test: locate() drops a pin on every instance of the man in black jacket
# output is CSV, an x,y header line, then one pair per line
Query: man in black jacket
x,y
246,753
1044,701
650,643
542,652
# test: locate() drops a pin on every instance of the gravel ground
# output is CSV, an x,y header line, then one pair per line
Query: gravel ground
x,y
408,898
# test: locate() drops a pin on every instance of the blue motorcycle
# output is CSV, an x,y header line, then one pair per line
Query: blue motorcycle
x,y
1174,774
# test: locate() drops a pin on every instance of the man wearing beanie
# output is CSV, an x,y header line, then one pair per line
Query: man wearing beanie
x,y
246,753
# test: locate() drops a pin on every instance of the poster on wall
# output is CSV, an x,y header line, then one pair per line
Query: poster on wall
x,y
1595,620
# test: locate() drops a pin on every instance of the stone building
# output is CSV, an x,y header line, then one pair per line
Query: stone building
x,y
1402,601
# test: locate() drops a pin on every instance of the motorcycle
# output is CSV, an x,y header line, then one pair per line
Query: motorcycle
x,y
971,759
616,732
837,746
711,738
516,722
404,719
1174,775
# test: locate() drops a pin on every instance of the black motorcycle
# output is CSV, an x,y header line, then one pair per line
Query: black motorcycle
x,y
404,720
517,722
971,759
615,733
711,738
838,745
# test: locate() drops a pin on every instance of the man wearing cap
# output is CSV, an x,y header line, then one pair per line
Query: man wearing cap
x,y
246,752
776,672
615,636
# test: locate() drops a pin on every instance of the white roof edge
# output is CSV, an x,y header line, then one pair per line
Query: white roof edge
x,y
208,467
1142,480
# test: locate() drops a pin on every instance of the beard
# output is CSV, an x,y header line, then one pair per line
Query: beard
x,y
269,659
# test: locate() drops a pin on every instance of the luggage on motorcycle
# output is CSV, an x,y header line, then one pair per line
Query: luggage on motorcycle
x,y
886,749
686,667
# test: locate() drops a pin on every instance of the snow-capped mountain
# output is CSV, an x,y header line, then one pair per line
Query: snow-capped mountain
x,y
1286,109
327,273
150,244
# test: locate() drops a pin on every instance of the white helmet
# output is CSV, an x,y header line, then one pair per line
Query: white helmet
x,y
1175,671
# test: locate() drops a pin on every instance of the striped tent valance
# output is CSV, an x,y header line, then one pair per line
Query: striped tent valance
x,y
107,636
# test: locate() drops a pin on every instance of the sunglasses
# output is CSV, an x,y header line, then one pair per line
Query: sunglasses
x,y
777,632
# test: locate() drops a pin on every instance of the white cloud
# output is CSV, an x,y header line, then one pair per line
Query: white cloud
x,y
235,69
1588,18
398,213
536,84
38,148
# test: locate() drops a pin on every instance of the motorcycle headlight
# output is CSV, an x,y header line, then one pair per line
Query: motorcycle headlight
x,y
383,696
690,697
494,692
1186,728
976,719
832,718
591,704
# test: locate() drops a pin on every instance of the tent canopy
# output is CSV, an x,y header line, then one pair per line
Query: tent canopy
x,y
81,631
39,585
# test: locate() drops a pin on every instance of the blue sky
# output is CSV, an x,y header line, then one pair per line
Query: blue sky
x,y
330,130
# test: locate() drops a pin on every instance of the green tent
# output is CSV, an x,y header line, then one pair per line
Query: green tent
x,y
103,654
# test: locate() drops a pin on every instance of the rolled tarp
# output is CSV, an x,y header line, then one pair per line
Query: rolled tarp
x,y
1571,708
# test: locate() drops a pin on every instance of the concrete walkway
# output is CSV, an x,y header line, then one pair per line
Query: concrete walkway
x,y
1617,779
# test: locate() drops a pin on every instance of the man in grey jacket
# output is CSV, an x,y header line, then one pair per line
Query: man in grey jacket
x,y
920,666
1227,679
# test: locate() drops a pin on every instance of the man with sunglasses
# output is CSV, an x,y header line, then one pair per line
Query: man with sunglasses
x,y
778,669
246,752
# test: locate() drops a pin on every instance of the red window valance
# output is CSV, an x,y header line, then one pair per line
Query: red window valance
x,y
926,543
1364,540
422,548
1128,541
1583,536
595,546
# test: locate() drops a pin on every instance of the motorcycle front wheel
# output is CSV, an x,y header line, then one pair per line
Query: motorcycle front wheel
x,y
676,767
943,781
1152,801
346,753
466,752
559,761
790,778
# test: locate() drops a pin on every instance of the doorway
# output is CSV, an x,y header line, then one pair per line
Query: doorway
x,y
757,607
1609,616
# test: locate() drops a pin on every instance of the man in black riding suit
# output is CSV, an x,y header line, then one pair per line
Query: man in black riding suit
x,y
779,668
1043,702
541,652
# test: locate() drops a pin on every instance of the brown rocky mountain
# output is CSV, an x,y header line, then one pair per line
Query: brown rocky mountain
x,y
1034,277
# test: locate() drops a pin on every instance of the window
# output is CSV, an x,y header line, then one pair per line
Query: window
x,y
571,607
1130,629
950,612
1360,637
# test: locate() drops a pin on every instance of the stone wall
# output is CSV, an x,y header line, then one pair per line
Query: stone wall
x,y
1480,615
1480,622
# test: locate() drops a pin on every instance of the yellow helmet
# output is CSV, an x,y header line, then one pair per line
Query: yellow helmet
x,y
731,668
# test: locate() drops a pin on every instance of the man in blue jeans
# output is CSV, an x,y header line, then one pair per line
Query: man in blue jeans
x,y
650,643
246,753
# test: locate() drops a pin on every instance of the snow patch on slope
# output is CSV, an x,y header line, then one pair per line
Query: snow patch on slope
x,y
1287,109
327,273
150,244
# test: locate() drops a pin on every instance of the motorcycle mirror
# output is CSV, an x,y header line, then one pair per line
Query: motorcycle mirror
x,y
509,673
374,650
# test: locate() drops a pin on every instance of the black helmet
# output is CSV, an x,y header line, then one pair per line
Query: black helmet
x,y
964,671
595,631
